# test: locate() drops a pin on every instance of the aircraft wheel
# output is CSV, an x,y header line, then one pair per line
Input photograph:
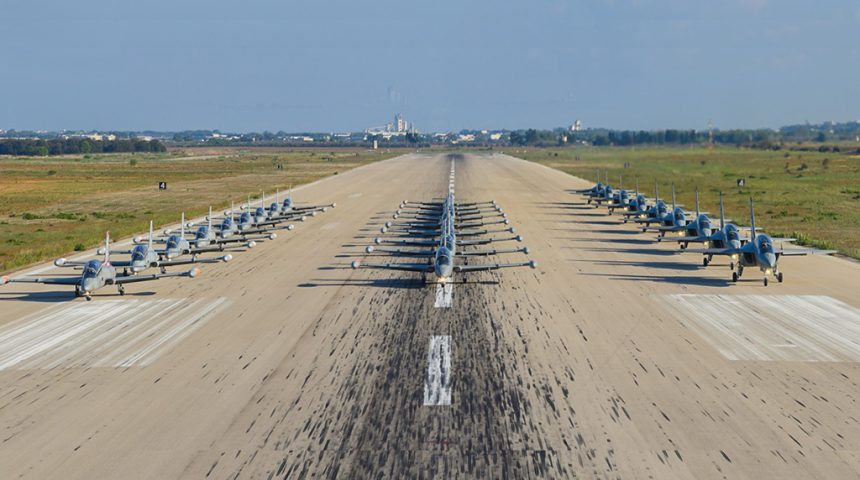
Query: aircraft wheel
x,y
705,262
89,298
779,277
121,289
732,266
163,270
734,276
78,292
740,270
765,281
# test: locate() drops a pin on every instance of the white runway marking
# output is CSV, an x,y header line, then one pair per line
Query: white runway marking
x,y
102,333
444,296
437,386
808,328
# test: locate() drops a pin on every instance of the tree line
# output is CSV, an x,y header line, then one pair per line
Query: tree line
x,y
75,146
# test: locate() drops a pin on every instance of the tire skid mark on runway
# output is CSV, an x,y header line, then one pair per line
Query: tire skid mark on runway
x,y
806,328
437,386
94,334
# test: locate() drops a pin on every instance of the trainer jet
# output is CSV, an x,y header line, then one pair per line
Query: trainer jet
x,y
144,256
98,274
288,208
760,252
446,246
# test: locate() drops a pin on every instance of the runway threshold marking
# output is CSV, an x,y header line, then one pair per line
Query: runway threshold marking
x,y
437,386
801,328
444,296
102,333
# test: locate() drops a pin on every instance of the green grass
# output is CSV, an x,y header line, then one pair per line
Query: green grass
x,y
811,196
53,206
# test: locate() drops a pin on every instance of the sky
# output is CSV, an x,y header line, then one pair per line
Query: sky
x,y
345,65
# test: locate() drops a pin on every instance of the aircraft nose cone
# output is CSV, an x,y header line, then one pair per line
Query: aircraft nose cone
x,y
89,285
770,260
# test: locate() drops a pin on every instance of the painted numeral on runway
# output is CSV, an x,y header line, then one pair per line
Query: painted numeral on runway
x,y
444,295
437,386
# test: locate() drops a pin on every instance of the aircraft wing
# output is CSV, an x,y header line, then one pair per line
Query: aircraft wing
x,y
404,252
477,253
492,266
794,252
688,239
119,280
713,251
408,267
44,280
411,243
189,261
484,241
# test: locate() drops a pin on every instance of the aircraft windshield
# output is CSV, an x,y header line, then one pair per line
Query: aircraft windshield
x,y
732,233
91,269
765,244
172,242
138,253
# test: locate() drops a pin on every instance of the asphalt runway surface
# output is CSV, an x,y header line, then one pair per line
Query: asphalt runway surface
x,y
615,358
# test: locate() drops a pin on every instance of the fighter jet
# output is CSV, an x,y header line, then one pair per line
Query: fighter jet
x,y
674,221
97,274
701,231
636,205
697,230
760,252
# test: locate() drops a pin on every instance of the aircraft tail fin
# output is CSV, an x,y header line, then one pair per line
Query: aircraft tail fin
x,y
150,235
752,220
637,186
722,213
182,226
673,196
697,202
209,218
107,248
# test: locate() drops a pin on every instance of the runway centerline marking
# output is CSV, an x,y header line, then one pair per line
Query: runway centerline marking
x,y
437,386
797,328
444,295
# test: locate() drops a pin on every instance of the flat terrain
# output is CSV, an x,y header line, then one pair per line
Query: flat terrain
x,y
616,358
50,206
809,195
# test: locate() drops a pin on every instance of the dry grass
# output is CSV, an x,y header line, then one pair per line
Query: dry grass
x,y
52,206
812,196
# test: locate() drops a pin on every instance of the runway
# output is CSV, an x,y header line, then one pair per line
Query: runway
x,y
615,358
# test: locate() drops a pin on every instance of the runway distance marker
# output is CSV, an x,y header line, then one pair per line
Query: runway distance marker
x,y
437,386
444,296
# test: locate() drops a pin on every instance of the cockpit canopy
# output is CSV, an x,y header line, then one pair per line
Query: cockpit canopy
x,y
139,252
764,243
91,268
732,232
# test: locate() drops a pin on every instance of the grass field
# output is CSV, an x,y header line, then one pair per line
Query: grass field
x,y
812,196
51,206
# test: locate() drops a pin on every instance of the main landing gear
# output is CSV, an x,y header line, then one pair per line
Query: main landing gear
x,y
121,289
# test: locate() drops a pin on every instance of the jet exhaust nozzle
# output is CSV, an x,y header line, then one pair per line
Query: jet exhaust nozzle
x,y
356,264
533,264
377,240
227,258
58,262
194,272
369,249
251,244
